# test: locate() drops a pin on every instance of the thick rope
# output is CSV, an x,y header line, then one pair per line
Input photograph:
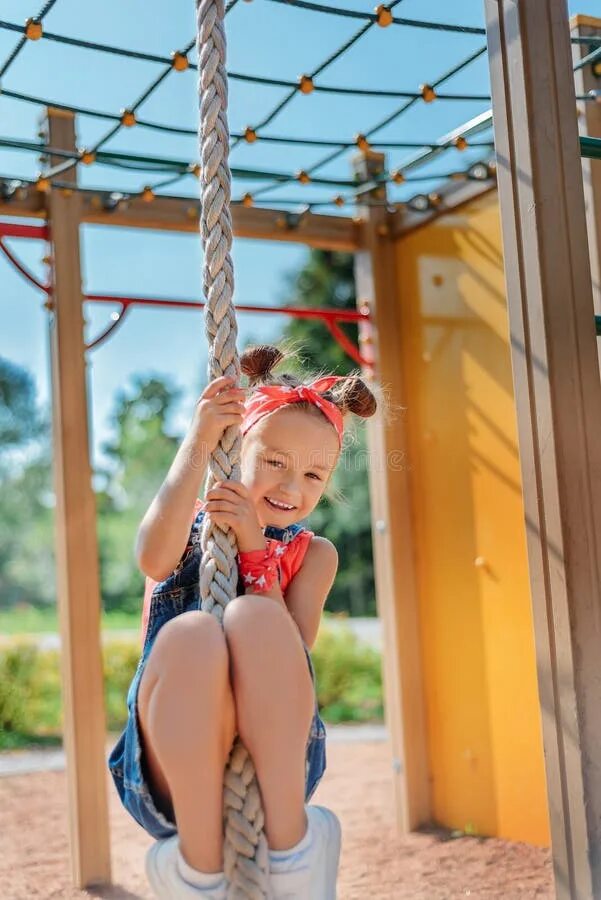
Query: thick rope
x,y
246,853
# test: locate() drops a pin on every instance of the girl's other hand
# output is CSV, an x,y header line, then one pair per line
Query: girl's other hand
x,y
229,503
220,405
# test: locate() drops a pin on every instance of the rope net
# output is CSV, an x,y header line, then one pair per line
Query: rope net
x,y
261,181
311,182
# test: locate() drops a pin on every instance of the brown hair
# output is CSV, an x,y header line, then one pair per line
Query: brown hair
x,y
351,395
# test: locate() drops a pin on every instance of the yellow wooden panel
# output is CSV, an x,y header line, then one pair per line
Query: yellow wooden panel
x,y
485,741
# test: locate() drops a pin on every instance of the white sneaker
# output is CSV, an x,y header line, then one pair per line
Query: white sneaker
x,y
165,879
315,874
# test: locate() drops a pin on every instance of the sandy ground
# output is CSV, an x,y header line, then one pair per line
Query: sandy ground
x,y
375,863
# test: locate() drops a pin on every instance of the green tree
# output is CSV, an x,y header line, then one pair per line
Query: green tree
x,y
26,498
139,456
20,419
142,449
327,280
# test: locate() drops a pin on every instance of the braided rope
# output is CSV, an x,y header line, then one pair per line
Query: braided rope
x,y
246,860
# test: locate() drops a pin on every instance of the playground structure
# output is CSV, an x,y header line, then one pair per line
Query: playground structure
x,y
487,562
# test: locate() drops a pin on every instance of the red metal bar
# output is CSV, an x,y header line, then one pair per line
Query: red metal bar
x,y
330,317
346,344
110,328
22,268
335,315
13,229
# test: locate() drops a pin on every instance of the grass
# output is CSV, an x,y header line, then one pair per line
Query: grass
x,y
16,740
31,620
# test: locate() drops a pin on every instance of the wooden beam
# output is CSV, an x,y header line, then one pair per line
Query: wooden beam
x,y
589,124
392,528
558,398
176,214
580,20
452,195
78,588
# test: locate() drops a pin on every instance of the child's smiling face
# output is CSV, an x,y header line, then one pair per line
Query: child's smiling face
x,y
288,457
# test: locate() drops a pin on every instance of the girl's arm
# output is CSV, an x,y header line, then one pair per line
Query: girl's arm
x,y
308,591
165,528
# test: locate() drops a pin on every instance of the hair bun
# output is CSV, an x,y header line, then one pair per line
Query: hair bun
x,y
257,362
353,395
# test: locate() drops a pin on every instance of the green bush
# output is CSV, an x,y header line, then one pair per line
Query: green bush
x,y
348,680
120,660
349,677
30,704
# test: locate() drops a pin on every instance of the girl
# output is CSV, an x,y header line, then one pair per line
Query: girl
x,y
198,682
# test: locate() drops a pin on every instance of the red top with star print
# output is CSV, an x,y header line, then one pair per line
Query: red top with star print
x,y
290,562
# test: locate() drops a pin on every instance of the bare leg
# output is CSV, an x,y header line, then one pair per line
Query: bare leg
x,y
188,720
274,700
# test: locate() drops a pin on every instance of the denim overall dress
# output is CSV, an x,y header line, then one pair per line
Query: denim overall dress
x,y
177,594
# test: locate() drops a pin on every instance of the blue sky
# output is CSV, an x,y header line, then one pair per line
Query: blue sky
x,y
264,38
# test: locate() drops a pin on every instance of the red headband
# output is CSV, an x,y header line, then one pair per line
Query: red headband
x,y
270,397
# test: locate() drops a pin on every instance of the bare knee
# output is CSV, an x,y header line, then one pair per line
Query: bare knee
x,y
252,624
253,615
191,652
191,641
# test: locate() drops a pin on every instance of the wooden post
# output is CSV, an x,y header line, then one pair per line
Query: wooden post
x,y
558,398
396,589
589,124
76,548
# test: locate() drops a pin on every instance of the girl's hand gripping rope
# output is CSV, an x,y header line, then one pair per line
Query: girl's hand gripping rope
x,y
229,503
220,405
